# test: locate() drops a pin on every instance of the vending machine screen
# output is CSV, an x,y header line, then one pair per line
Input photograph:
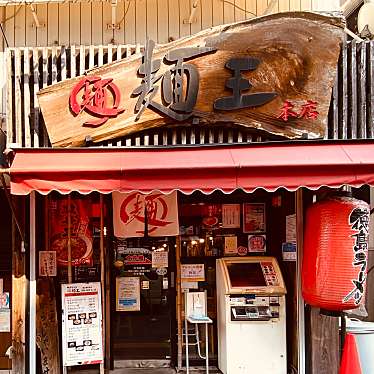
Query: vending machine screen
x,y
246,274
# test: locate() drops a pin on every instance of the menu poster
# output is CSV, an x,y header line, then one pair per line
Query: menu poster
x,y
231,245
192,273
254,218
231,216
289,252
4,320
47,264
127,294
256,243
81,324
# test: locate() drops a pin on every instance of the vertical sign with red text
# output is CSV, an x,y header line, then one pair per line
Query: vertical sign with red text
x,y
135,213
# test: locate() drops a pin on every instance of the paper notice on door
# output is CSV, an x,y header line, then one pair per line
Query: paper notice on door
x,y
127,294
231,245
160,259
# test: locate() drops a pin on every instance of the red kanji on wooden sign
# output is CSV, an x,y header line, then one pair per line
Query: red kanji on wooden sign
x,y
287,111
94,99
308,110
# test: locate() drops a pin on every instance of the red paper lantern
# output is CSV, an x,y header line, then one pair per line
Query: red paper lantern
x,y
335,253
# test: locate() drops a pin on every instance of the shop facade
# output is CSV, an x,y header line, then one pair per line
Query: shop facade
x,y
227,200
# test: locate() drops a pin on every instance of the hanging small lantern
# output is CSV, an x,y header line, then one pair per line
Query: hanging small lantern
x,y
335,253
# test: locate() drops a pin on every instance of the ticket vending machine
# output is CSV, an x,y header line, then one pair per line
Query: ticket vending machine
x,y
251,316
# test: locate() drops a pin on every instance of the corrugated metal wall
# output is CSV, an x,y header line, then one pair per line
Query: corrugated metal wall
x,y
352,106
87,23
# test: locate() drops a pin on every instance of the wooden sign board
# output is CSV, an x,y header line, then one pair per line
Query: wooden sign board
x,y
273,73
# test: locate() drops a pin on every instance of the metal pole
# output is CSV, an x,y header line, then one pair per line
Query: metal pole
x,y
179,302
300,300
343,333
206,349
186,335
70,271
32,305
102,280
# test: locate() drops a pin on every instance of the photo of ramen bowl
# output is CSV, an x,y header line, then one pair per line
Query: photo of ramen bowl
x,y
81,248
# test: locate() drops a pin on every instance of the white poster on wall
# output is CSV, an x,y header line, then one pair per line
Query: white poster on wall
x,y
192,273
4,320
127,294
129,210
81,324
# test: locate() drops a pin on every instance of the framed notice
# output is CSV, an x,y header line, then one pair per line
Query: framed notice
x,y
127,294
192,273
81,324
231,216
254,218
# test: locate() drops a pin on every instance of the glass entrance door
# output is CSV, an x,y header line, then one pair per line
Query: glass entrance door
x,y
142,322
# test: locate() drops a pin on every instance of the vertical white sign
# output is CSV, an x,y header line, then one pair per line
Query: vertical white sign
x,y
128,294
81,324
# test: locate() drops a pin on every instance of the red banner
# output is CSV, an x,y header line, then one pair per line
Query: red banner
x,y
81,235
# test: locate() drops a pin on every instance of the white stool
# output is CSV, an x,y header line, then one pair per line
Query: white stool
x,y
202,319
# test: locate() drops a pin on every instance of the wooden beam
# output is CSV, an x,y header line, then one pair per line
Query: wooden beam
x,y
324,343
32,287
47,336
19,284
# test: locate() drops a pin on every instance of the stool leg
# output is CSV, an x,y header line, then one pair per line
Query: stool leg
x,y
187,358
206,349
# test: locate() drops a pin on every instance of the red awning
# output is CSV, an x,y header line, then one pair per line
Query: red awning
x,y
204,168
